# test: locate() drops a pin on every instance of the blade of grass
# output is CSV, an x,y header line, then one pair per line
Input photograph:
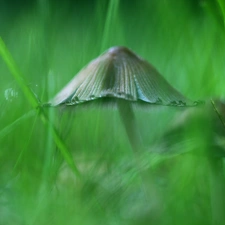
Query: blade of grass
x,y
50,143
15,123
222,7
110,19
217,112
217,190
27,142
13,68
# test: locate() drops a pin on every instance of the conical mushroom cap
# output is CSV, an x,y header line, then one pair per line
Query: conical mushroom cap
x,y
119,73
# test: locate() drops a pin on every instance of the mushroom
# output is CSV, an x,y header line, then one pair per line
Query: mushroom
x,y
121,78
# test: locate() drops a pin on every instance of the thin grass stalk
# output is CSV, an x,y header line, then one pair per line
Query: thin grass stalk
x,y
218,114
217,190
109,22
13,68
222,7
6,130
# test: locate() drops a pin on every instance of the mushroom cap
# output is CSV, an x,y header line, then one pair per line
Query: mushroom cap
x,y
122,74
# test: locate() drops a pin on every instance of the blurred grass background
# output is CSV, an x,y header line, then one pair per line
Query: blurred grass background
x,y
51,41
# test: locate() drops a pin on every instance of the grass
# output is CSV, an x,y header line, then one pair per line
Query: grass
x,y
46,47
35,104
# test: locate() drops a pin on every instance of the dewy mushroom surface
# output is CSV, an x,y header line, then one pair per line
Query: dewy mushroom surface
x,y
120,73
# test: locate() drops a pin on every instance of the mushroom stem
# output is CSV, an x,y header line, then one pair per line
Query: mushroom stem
x,y
148,185
128,119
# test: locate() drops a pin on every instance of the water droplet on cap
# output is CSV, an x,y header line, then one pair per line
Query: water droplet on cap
x,y
92,97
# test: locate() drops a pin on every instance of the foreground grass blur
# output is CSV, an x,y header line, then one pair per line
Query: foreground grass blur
x,y
184,41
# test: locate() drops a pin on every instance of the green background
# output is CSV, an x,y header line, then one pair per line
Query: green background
x,y
50,42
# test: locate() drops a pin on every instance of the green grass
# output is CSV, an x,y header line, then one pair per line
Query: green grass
x,y
42,49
